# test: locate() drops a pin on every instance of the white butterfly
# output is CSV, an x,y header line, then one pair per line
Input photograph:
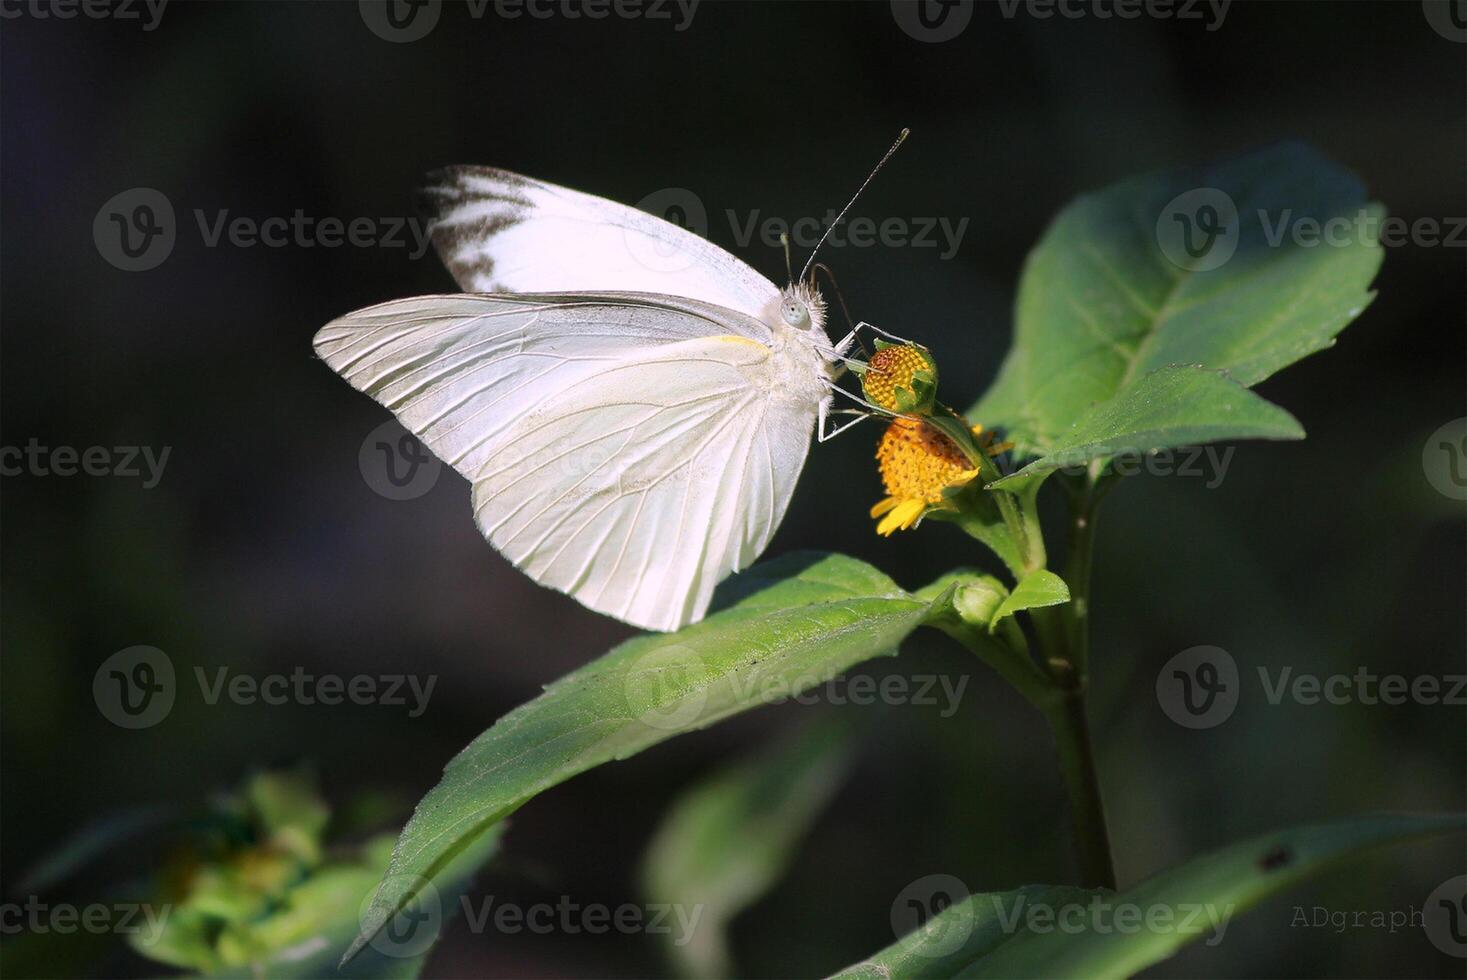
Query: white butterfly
x,y
631,403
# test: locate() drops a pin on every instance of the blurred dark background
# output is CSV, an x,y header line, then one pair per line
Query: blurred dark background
x,y
263,548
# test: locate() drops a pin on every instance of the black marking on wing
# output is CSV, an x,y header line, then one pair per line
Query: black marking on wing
x,y
450,189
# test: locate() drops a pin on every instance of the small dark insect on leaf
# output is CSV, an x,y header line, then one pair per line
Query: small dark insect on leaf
x,y
1274,859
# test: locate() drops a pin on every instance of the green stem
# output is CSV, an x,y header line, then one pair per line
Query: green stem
x,y
1023,527
1009,657
1066,639
1082,782
1077,576
1063,636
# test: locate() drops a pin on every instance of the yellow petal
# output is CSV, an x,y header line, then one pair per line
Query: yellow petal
x,y
883,506
909,512
889,523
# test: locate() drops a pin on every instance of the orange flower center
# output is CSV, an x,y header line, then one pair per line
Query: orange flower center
x,y
917,461
889,369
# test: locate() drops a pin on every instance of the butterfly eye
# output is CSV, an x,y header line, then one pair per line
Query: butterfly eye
x,y
795,314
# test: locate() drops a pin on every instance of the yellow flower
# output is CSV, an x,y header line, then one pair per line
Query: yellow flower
x,y
917,463
901,378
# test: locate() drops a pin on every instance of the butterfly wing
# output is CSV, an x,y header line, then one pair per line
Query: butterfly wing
x,y
628,450
500,232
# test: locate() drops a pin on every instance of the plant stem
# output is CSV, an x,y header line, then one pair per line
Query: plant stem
x,y
1077,576
1077,762
1068,659
1022,530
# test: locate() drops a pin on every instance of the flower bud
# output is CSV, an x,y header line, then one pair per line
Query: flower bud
x,y
901,378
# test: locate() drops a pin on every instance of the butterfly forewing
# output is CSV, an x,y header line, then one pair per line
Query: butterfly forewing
x,y
500,232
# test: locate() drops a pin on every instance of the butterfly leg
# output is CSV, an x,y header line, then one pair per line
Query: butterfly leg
x,y
843,346
889,336
826,411
836,389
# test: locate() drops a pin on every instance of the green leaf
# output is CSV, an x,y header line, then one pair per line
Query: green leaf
x,y
1038,588
1094,934
1102,303
782,628
322,916
958,935
965,606
727,841
1170,407
977,513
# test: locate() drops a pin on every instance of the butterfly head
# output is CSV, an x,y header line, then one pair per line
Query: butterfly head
x,y
802,308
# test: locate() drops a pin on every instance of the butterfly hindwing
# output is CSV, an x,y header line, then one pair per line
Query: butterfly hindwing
x,y
624,448
638,489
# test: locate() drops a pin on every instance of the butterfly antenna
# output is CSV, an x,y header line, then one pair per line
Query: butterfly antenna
x,y
840,298
784,239
901,137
